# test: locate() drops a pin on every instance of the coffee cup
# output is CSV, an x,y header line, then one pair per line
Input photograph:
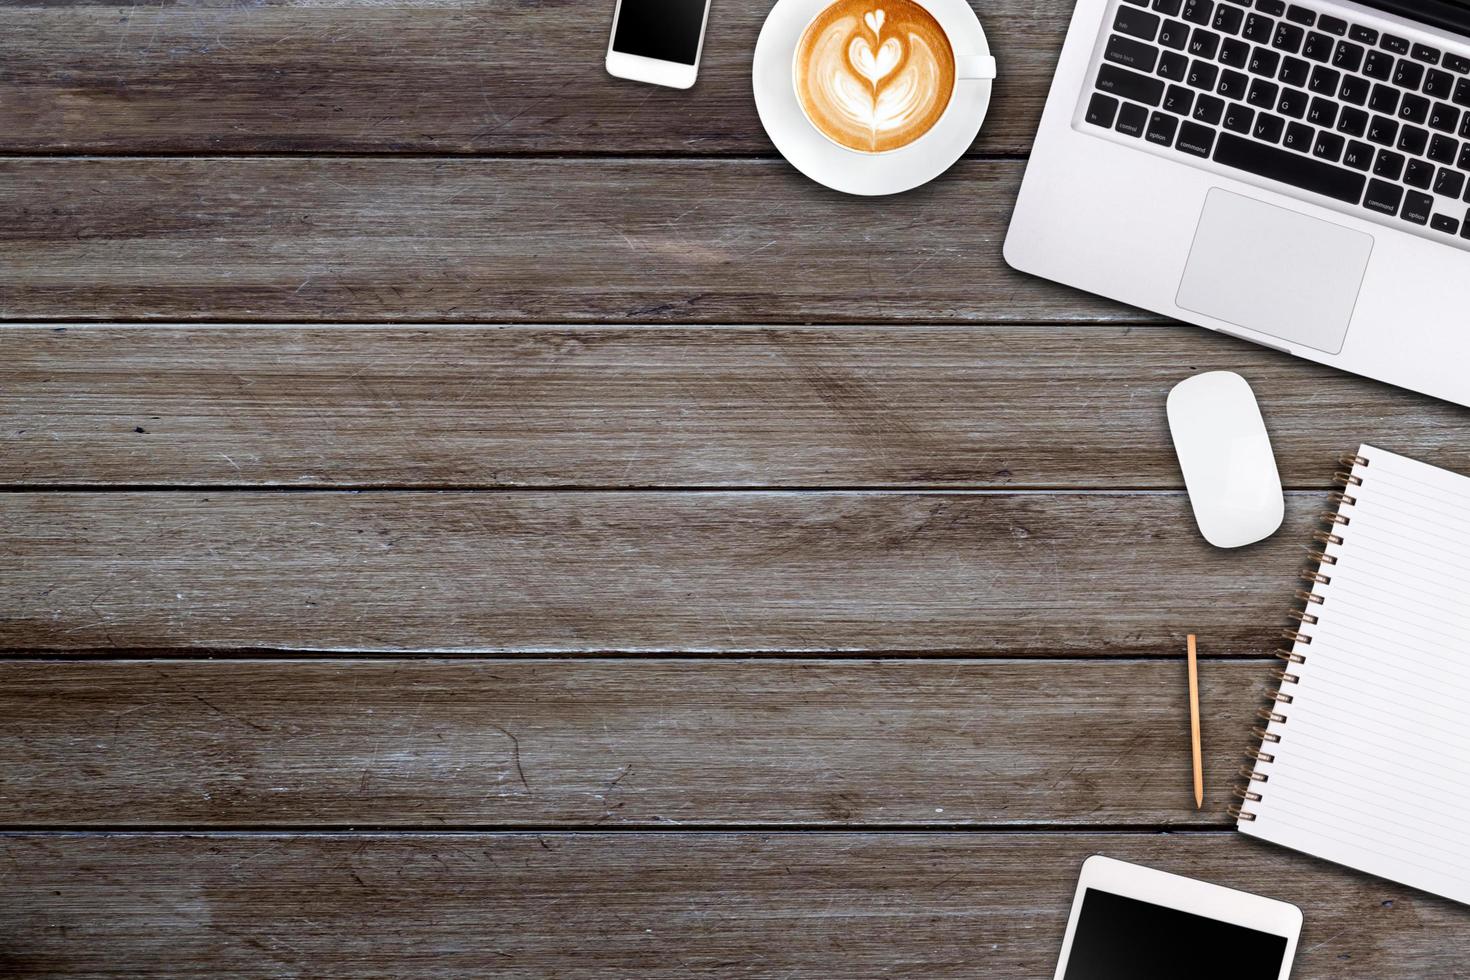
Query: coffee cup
x,y
874,76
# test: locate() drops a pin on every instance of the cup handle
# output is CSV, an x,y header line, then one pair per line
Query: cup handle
x,y
981,66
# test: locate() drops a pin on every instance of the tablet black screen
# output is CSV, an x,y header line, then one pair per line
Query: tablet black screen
x,y
1122,938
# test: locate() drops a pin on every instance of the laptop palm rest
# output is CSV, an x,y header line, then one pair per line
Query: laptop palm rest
x,y
1274,270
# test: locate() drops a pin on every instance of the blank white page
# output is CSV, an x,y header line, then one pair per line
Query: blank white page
x,y
1372,769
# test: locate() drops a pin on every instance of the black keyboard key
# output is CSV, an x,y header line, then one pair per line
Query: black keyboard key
x,y
1449,183
1268,127
1178,100
1383,131
1444,223
1273,7
1228,18
1202,75
1384,100
1136,23
1394,43
1203,43
1208,109
1169,8
1288,37
1174,34
1295,71
1414,109
1465,126
1318,47
1439,84
1301,15
1444,117
1378,65
1347,56
1233,85
1141,3
1328,147
1264,62
1161,129
1295,169
1354,89
1389,165
1130,84
1131,119
1417,208
1419,174
1332,25
1462,92
1464,162
1239,118
1465,226
1292,102
1235,53
1412,139
1363,35
1443,149
1352,121
1199,11
1263,94
1173,66
1407,74
1196,140
1383,197
1131,54
1102,110
1258,28
1424,52
1298,137
1322,113
1359,156
1324,80
1458,63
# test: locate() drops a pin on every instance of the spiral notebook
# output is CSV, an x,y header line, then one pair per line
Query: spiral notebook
x,y
1364,751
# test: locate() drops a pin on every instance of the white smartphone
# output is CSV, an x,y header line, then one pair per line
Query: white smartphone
x,y
1133,922
657,41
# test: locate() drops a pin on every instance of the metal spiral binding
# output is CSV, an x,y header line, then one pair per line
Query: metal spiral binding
x,y
1333,523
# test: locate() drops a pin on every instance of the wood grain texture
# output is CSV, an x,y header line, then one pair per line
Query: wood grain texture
x,y
553,240
1047,573
446,76
649,905
613,407
615,743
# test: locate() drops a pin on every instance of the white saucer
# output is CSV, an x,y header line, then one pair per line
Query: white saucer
x,y
848,170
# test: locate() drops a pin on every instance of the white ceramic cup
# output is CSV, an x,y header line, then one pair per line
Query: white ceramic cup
x,y
967,68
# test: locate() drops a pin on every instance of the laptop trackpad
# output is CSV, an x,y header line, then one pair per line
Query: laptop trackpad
x,y
1274,270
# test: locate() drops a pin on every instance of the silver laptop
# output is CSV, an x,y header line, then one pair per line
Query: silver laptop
x,y
1293,172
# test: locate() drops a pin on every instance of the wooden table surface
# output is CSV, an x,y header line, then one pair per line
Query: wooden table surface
x,y
463,513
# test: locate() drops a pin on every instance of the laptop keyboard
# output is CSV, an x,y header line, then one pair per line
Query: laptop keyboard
x,y
1370,120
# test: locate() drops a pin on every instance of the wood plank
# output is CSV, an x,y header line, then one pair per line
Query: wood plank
x,y
647,743
649,905
433,407
548,240
1050,573
452,76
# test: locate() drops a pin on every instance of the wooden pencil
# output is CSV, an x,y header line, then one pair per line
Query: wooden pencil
x,y
1199,776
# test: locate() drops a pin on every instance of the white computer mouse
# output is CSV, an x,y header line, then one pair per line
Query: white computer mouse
x,y
1226,457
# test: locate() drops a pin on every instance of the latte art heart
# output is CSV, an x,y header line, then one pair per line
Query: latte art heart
x,y
874,75
874,67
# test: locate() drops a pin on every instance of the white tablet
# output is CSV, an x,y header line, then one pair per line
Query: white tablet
x,y
1133,923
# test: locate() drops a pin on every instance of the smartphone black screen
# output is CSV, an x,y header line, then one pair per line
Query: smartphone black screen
x,y
1121,938
664,29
